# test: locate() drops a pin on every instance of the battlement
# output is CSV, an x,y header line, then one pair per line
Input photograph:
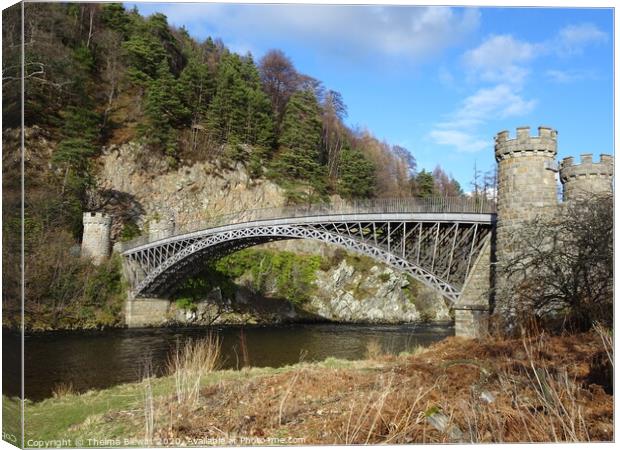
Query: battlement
x,y
96,218
524,144
586,168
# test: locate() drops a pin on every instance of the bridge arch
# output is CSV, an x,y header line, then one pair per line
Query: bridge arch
x,y
222,243
435,248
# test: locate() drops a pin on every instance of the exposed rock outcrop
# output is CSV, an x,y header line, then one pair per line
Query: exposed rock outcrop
x,y
378,295
188,194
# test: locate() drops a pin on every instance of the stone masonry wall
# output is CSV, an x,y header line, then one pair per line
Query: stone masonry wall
x,y
586,178
478,284
146,312
472,312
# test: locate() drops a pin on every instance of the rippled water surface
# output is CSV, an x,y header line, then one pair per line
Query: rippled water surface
x,y
103,359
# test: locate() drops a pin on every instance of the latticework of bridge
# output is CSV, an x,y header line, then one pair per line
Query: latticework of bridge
x,y
434,240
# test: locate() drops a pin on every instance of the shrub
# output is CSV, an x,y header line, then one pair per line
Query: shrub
x,y
384,277
130,231
563,269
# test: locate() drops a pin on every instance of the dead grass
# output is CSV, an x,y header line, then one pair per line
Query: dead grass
x,y
536,389
149,410
190,363
607,339
373,349
62,390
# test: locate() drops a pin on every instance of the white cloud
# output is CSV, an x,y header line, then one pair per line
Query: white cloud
x,y
500,59
574,38
505,61
346,30
499,50
497,102
461,140
504,58
569,76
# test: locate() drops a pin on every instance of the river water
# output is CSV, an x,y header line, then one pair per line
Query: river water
x,y
97,360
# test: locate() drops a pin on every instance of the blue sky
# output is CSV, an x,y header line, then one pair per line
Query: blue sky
x,y
439,81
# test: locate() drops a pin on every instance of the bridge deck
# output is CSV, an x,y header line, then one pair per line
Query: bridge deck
x,y
480,218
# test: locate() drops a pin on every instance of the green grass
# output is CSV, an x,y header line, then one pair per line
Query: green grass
x,y
11,420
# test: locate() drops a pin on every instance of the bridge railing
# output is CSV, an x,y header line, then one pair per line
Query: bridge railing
x,y
366,206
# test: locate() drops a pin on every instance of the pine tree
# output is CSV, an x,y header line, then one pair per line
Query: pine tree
x,y
83,122
226,115
425,184
300,139
144,53
157,26
115,17
357,177
81,138
197,85
240,111
259,129
150,43
164,111
72,154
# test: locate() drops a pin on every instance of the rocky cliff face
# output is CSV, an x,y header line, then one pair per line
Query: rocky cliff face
x,y
376,295
147,188
134,187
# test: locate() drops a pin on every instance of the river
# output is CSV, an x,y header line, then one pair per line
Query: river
x,y
96,360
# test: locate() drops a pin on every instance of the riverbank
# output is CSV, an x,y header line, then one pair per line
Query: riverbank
x,y
539,389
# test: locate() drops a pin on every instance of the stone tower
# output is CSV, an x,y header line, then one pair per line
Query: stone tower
x,y
160,229
526,188
96,236
586,178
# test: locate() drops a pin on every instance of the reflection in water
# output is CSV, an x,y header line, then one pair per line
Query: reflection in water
x,y
102,359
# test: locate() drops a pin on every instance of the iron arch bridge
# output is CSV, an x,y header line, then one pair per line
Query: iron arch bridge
x,y
435,240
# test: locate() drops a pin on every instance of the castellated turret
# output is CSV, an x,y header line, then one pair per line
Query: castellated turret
x,y
96,236
526,189
161,228
587,178
526,174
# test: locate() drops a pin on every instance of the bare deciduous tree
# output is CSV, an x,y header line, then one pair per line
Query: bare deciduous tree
x,y
279,78
563,269
394,164
113,69
333,138
445,184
